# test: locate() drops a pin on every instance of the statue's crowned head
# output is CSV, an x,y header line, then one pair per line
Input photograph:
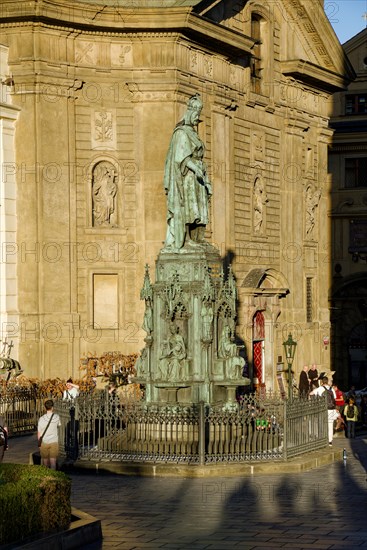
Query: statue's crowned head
x,y
194,107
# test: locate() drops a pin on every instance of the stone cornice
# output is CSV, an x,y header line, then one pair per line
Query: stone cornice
x,y
314,75
312,22
256,291
355,42
110,19
9,111
235,41
348,147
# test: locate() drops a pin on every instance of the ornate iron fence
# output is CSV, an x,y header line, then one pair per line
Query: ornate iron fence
x,y
305,425
21,409
99,428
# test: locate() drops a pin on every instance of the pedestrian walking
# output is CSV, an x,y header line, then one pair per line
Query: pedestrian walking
x,y
332,412
48,436
351,416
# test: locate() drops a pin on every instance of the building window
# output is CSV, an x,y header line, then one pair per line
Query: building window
x,y
256,59
355,172
356,104
261,29
261,55
309,315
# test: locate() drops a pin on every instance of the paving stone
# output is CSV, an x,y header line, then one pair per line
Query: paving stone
x,y
322,509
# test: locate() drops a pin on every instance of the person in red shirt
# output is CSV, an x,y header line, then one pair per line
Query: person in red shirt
x,y
339,402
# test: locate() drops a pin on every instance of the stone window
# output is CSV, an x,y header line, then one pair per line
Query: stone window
x,y
356,104
261,74
256,59
355,174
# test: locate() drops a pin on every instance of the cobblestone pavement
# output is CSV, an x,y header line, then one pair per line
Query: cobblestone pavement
x,y
320,509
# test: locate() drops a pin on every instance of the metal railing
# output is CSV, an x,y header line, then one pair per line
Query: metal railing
x,y
21,409
99,428
306,425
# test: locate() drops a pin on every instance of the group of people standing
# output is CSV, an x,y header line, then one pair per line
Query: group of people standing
x,y
343,412
308,380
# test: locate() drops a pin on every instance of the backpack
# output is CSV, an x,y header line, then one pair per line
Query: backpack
x,y
330,399
3,437
350,411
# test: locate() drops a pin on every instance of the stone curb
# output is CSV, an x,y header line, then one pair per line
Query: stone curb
x,y
313,460
84,529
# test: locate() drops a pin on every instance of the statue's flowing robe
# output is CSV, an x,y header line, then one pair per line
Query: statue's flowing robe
x,y
187,197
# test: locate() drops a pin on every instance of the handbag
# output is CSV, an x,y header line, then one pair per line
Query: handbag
x,y
44,431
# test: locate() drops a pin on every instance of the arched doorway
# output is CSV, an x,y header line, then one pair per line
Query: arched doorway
x,y
259,295
358,356
258,349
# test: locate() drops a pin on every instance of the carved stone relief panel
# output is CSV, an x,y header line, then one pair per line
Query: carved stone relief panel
x,y
86,53
313,196
257,151
122,55
104,195
103,134
194,60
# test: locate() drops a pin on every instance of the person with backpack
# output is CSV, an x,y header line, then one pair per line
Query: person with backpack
x,y
332,412
3,438
351,416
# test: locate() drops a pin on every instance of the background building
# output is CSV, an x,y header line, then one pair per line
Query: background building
x,y
91,94
348,165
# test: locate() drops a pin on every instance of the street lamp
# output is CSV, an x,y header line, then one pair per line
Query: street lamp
x,y
290,350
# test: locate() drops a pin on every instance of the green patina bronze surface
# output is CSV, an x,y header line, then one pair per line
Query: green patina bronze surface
x,y
190,311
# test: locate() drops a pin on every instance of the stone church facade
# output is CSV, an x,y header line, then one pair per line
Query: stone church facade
x,y
91,92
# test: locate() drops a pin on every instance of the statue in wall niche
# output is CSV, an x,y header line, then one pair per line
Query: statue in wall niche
x,y
174,355
207,316
312,202
141,363
104,190
228,350
259,201
186,182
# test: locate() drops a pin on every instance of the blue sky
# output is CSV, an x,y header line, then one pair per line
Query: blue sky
x,y
346,16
